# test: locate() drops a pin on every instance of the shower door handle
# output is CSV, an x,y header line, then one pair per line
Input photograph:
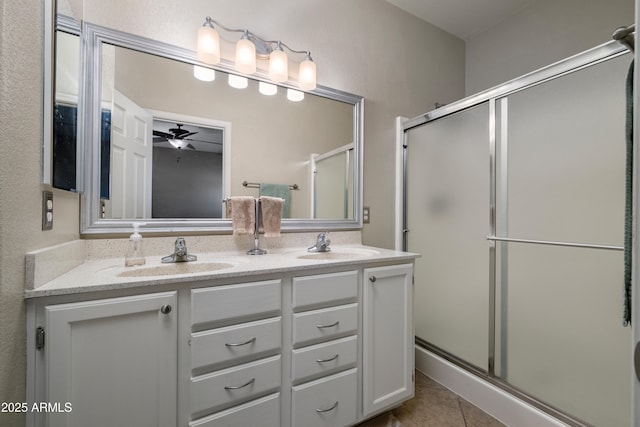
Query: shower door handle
x,y
636,360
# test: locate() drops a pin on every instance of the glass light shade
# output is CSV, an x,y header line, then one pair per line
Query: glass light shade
x,y
278,66
295,95
208,45
267,88
246,56
204,74
178,143
307,74
238,82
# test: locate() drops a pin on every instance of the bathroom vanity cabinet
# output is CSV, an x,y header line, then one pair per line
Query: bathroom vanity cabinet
x,y
109,362
324,346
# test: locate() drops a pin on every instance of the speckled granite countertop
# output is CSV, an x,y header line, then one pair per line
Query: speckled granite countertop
x,y
111,274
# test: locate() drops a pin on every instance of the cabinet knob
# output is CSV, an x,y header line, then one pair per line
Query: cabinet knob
x,y
372,279
165,309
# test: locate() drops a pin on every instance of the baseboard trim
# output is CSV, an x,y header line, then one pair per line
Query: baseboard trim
x,y
506,408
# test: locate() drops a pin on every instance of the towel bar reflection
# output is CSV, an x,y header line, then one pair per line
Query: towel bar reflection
x,y
226,200
257,185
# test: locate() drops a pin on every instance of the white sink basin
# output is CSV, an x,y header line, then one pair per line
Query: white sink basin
x,y
337,254
174,268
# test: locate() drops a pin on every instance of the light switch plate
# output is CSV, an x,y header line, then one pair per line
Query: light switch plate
x,y
47,210
365,214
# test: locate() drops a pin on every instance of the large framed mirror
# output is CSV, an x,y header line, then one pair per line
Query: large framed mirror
x,y
165,148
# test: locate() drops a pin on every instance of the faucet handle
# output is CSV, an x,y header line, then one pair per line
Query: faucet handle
x,y
322,243
180,246
322,239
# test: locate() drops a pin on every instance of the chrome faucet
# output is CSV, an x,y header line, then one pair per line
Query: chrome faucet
x,y
179,253
322,244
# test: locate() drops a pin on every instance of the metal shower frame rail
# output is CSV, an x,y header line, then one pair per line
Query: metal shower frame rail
x,y
581,60
493,97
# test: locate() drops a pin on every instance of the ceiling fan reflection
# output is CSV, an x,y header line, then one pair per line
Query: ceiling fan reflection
x,y
177,137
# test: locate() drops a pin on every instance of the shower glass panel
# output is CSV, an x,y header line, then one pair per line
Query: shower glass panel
x,y
333,172
448,212
566,151
564,343
533,296
562,339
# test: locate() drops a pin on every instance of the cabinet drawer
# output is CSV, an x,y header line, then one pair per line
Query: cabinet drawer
x,y
324,324
324,359
235,344
324,289
248,300
263,412
327,402
224,388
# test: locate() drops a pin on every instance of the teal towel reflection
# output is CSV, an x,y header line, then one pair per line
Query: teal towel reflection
x,y
278,190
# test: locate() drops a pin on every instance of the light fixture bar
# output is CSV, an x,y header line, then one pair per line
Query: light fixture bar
x,y
251,46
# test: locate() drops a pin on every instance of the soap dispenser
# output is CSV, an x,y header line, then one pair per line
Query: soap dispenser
x,y
133,255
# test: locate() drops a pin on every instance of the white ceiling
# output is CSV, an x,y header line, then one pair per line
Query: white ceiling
x,y
463,18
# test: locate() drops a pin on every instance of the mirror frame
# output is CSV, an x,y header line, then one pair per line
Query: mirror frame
x,y
48,99
90,223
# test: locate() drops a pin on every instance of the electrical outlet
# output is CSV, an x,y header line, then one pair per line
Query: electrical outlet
x,y
47,210
365,215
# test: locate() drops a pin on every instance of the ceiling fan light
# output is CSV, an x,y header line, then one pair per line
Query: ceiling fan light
x,y
245,55
278,65
204,74
307,74
178,143
208,43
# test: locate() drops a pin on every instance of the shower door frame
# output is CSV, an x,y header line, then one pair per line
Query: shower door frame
x,y
494,97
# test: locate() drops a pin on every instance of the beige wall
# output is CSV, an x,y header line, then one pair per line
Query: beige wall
x,y
21,133
398,63
542,33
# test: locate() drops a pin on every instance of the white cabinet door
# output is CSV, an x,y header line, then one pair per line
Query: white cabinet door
x,y
388,341
113,362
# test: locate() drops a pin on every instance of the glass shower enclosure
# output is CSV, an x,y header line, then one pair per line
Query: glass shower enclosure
x,y
515,199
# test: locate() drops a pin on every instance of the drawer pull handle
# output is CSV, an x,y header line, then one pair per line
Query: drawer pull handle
x,y
336,323
165,309
335,405
251,341
373,279
236,387
327,360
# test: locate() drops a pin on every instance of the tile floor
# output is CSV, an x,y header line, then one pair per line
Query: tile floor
x,y
433,406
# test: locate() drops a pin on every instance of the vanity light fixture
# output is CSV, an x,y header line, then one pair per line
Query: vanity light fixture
x,y
295,95
250,47
267,88
246,55
278,64
238,82
204,74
